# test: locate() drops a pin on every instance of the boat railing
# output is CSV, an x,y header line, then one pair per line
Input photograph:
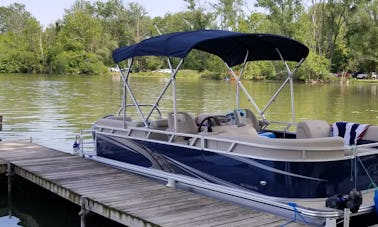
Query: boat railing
x,y
365,149
286,125
140,105
85,143
202,141
368,145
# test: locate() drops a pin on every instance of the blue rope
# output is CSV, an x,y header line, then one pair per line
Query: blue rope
x,y
296,212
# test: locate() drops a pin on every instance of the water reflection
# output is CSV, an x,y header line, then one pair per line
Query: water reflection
x,y
9,221
52,109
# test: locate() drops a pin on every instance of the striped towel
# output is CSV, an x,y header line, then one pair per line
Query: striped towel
x,y
350,131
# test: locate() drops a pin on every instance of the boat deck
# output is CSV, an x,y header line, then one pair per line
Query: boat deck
x,y
121,196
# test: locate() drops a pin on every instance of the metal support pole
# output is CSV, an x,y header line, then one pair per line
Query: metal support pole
x,y
84,210
9,175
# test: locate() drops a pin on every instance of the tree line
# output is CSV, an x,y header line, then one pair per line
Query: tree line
x,y
342,35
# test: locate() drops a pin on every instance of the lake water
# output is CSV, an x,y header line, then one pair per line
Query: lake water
x,y
52,109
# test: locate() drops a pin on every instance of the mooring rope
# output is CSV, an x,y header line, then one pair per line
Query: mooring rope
x,y
294,218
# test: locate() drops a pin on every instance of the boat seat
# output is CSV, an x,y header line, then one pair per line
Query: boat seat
x,y
159,124
313,129
185,123
371,134
233,130
117,118
246,117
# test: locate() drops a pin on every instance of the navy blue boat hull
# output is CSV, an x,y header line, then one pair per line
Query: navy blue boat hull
x,y
273,178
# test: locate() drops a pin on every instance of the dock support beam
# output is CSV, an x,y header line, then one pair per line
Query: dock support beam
x,y
84,210
9,176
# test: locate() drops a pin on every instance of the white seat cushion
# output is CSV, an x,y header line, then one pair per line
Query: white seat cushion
x,y
313,129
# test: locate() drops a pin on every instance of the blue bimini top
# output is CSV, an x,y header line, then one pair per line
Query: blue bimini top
x,y
231,47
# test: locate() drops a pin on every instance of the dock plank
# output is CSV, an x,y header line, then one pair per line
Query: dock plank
x,y
123,197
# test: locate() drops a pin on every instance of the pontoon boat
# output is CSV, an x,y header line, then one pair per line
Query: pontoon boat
x,y
239,149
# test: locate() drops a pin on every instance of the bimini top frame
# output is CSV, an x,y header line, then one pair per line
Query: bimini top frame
x,y
232,47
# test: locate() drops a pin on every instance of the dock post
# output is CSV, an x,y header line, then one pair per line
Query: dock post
x,y
9,176
83,211
330,222
346,217
171,183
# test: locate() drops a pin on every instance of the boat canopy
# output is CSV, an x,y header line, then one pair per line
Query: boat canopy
x,y
231,47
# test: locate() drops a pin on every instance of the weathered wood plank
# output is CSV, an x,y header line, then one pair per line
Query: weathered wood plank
x,y
231,217
124,197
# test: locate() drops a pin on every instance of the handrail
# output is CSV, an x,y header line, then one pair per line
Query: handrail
x,y
133,105
368,145
80,143
199,142
204,137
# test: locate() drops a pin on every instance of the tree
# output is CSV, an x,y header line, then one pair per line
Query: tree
x,y
229,13
79,42
197,17
20,40
114,18
284,14
362,37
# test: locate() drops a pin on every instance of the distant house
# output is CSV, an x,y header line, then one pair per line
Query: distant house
x,y
113,69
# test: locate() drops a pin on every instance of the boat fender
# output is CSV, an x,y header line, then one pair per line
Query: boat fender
x,y
336,201
354,200
76,148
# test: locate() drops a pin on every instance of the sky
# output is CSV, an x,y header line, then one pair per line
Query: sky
x,y
48,11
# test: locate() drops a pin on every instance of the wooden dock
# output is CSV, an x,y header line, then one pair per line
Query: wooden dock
x,y
124,197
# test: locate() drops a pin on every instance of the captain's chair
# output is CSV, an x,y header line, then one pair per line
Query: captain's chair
x,y
246,117
185,123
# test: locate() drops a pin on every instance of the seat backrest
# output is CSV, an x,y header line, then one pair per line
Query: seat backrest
x,y
246,117
313,129
371,133
185,123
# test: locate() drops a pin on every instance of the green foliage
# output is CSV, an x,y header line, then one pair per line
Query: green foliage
x,y
212,75
341,36
314,68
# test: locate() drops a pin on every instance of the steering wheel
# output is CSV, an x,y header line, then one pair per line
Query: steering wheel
x,y
211,121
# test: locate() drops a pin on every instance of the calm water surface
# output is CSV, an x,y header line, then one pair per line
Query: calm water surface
x,y
52,109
